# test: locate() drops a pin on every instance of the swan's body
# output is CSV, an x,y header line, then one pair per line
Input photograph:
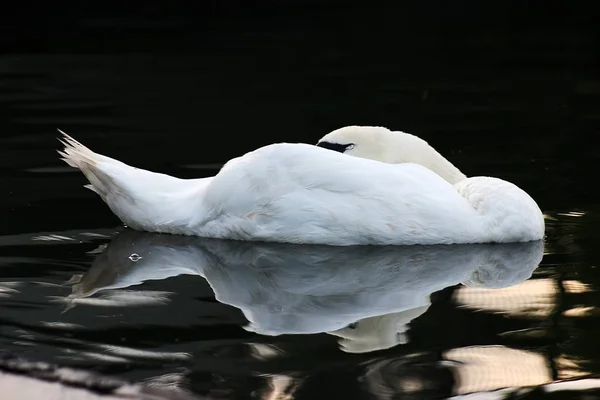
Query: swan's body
x,y
300,193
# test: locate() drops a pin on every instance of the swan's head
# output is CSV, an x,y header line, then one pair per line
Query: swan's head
x,y
359,141
392,147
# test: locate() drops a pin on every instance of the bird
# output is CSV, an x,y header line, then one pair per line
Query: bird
x,y
377,187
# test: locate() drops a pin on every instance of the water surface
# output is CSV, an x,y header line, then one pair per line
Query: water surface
x,y
238,320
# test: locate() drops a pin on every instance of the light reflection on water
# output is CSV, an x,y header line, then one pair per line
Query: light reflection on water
x,y
427,320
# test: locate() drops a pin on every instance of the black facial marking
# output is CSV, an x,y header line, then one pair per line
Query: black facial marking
x,y
336,146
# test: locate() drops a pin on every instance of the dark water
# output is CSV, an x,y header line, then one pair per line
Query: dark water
x,y
512,92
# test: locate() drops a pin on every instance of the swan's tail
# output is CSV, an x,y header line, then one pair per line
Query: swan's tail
x,y
142,199
90,164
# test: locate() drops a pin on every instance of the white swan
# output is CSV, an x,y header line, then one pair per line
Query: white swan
x,y
294,289
301,193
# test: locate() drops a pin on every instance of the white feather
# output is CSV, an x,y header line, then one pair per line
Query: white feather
x,y
300,193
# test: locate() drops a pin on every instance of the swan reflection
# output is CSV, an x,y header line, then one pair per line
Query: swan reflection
x,y
366,295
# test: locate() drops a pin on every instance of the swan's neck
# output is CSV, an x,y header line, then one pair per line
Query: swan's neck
x,y
410,148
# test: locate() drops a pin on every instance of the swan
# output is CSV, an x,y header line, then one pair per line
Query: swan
x,y
365,295
302,193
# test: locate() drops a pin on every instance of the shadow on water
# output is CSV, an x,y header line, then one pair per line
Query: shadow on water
x,y
509,91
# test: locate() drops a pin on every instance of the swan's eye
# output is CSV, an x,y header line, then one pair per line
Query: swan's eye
x,y
336,146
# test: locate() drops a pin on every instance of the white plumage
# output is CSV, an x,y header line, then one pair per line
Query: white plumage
x,y
300,193
292,289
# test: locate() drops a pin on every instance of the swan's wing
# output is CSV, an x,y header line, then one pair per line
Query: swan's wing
x,y
280,169
301,192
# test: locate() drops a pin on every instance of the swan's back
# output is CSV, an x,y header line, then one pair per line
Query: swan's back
x,y
304,194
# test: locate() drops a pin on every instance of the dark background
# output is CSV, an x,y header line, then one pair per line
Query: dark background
x,y
169,85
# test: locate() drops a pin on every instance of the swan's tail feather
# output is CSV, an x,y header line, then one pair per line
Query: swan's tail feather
x,y
89,163
142,199
91,187
75,153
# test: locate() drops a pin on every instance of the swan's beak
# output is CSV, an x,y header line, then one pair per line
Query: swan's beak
x,y
333,146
